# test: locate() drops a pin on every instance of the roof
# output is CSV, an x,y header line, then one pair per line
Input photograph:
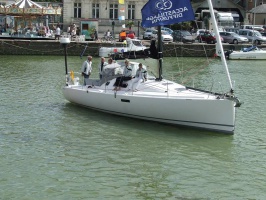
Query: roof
x,y
24,4
259,9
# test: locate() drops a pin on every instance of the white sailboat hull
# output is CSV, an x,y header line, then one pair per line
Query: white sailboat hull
x,y
252,55
193,109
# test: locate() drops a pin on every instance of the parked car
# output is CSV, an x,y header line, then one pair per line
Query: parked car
x,y
126,33
231,37
148,34
182,36
253,36
170,31
263,33
206,36
200,30
166,37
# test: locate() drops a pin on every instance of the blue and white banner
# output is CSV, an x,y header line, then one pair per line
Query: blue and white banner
x,y
166,12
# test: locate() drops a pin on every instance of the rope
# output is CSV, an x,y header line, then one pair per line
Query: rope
x,y
206,63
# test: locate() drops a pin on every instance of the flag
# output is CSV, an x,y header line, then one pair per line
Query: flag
x,y
121,1
122,10
121,17
166,12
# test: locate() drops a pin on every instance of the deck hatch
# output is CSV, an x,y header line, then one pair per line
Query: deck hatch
x,y
125,100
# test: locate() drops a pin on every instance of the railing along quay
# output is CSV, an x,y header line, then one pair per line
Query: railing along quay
x,y
75,48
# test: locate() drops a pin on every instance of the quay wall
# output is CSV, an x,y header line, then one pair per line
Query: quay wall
x,y
52,47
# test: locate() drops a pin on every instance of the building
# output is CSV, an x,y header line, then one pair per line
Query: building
x,y
115,14
257,15
107,14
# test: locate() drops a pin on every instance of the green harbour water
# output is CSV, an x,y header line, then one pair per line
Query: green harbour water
x,y
52,149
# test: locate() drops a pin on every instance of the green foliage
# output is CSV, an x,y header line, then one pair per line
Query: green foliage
x,y
182,26
130,24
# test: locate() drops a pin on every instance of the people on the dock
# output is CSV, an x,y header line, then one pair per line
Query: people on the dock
x,y
86,69
57,33
73,31
108,35
69,30
101,66
141,75
127,75
95,35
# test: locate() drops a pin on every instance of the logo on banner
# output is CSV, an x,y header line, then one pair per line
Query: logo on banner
x,y
163,5
165,12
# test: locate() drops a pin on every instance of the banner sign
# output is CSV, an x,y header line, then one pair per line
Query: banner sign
x,y
166,12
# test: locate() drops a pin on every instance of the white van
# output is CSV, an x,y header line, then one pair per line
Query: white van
x,y
253,27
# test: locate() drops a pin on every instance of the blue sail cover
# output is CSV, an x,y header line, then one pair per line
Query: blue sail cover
x,y
166,12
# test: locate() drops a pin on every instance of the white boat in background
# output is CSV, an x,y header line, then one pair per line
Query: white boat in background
x,y
157,99
131,45
250,53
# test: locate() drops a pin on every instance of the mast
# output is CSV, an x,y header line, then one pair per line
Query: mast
x,y
160,51
254,16
219,43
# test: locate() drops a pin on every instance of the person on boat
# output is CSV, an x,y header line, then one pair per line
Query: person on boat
x,y
127,75
101,66
153,50
141,75
86,69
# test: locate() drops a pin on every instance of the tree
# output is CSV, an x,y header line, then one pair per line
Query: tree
x,y
130,24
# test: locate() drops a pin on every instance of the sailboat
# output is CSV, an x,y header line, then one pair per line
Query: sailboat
x,y
157,99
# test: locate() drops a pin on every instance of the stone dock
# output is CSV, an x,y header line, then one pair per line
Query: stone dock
x,y
53,47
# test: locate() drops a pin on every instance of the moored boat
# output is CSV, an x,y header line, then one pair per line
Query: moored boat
x,y
131,45
250,53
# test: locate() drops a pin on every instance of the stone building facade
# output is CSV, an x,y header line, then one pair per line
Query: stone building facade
x,y
105,12
109,12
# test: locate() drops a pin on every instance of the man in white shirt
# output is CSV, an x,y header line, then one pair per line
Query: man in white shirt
x,y
86,69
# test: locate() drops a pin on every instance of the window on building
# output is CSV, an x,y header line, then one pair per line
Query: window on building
x,y
113,11
131,11
77,10
95,10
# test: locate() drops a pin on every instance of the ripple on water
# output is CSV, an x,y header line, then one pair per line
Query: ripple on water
x,y
51,149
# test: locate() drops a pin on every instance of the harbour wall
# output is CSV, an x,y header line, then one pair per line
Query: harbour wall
x,y
52,47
